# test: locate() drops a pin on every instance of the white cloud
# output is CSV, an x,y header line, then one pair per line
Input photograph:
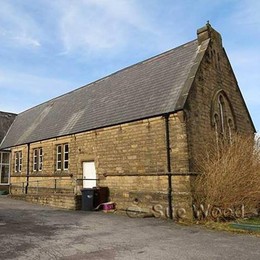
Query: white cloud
x,y
32,85
246,65
117,28
245,57
82,26
25,40
17,27
245,17
248,12
19,39
99,25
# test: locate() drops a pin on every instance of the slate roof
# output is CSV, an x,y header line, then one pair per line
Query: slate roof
x,y
6,119
147,89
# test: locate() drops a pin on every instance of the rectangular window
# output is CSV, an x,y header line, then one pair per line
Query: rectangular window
x,y
37,159
4,167
35,156
59,157
66,157
62,157
40,159
18,161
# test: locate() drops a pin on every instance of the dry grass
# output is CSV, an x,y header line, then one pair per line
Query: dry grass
x,y
230,174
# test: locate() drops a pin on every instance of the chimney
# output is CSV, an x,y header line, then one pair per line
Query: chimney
x,y
207,32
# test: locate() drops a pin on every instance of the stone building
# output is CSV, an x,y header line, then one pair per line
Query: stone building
x,y
6,119
137,131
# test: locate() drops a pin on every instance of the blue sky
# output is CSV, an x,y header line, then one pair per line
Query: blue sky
x,y
49,47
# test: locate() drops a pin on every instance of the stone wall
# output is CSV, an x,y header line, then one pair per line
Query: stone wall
x,y
64,201
214,75
119,152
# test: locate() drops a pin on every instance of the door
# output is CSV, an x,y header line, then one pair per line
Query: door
x,y
89,175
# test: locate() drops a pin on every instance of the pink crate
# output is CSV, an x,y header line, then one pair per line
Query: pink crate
x,y
108,206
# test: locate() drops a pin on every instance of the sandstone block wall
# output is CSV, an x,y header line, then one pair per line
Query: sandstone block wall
x,y
215,74
72,202
136,148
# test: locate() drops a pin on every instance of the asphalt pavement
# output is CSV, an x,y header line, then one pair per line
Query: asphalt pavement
x,y
30,231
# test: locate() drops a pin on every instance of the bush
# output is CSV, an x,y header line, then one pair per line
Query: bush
x,y
229,174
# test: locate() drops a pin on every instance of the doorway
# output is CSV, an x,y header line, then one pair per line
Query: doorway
x,y
89,175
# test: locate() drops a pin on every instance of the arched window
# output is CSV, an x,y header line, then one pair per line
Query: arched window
x,y
221,105
222,115
216,123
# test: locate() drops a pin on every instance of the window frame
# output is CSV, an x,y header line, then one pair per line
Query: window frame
x,y
4,164
18,157
40,166
37,159
59,161
221,106
62,157
65,156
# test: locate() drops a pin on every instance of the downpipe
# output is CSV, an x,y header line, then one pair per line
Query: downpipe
x,y
28,168
168,158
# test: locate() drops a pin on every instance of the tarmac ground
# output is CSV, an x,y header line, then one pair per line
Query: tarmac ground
x,y
30,231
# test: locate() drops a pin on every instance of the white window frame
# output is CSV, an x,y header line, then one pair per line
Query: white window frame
x,y
40,163
65,156
59,161
37,159
62,152
18,161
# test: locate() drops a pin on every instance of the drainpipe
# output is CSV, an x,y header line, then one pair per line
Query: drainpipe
x,y
28,168
168,152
